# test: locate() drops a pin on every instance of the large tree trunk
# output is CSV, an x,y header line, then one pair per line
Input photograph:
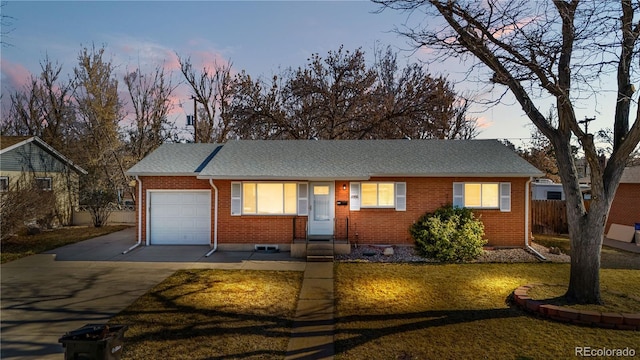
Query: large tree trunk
x,y
586,245
586,227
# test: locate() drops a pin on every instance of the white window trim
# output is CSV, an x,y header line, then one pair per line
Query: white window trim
x,y
354,196
399,196
303,199
378,195
50,187
236,198
504,195
4,179
237,204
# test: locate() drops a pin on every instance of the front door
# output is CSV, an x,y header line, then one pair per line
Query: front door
x,y
321,210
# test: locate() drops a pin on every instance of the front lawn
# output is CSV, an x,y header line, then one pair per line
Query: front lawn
x,y
458,311
610,258
22,245
213,314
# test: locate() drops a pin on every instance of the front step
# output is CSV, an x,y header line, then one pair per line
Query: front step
x,y
319,252
320,258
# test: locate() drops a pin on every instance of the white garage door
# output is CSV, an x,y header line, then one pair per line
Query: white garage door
x,y
180,217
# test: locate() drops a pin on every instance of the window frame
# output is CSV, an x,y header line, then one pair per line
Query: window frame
x,y
503,195
238,199
378,206
399,196
5,180
554,195
45,178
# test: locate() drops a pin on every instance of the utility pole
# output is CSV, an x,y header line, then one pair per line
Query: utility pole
x,y
586,122
195,119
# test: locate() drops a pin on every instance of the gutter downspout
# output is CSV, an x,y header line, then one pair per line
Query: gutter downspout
x,y
526,222
215,219
139,217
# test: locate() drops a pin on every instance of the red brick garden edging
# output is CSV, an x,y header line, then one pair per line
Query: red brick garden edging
x,y
620,321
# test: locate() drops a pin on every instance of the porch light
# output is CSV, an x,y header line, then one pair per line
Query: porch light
x,y
344,186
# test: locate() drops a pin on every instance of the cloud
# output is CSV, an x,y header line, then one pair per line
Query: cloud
x,y
133,53
14,76
483,123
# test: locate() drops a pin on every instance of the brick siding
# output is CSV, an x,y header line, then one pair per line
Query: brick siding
x,y
625,209
366,226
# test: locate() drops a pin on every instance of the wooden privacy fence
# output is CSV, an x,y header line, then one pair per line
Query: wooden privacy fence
x,y
550,216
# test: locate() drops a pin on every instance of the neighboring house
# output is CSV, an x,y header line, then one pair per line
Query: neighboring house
x,y
251,193
27,158
545,189
625,209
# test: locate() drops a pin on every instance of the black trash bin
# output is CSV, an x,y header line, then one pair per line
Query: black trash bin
x,y
94,342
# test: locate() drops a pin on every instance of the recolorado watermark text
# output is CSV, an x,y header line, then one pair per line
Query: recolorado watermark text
x,y
587,351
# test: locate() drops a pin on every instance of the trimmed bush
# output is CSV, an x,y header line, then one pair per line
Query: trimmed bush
x,y
449,235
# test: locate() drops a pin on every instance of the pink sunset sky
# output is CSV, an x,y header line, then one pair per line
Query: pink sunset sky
x,y
259,37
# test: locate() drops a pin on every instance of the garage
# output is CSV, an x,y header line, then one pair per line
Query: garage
x,y
179,217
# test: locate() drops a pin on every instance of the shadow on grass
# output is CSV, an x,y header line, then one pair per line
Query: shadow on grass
x,y
365,333
263,330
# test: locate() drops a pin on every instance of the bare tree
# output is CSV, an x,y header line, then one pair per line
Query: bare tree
x,y
150,96
557,49
211,90
44,108
257,110
340,97
6,24
410,103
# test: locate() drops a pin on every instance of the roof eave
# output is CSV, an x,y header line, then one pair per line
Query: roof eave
x,y
364,178
148,173
440,175
47,147
282,178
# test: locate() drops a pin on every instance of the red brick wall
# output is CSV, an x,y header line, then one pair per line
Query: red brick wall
x,y
625,209
387,226
252,229
367,226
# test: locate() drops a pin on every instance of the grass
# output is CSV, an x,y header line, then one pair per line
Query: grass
x,y
22,245
458,311
211,314
613,301
610,258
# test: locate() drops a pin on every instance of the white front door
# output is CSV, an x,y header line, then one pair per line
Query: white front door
x,y
321,209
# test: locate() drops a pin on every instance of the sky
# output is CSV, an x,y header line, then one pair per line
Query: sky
x,y
259,37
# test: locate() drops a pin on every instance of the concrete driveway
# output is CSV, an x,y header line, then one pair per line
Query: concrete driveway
x,y
44,296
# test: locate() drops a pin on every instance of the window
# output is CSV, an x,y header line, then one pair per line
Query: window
x,y
378,195
482,195
251,198
4,183
43,183
554,195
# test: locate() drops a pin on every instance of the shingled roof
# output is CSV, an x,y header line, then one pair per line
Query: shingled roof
x,y
174,159
335,159
10,143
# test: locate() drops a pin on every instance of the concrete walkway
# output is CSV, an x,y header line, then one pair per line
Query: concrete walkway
x,y
44,296
313,328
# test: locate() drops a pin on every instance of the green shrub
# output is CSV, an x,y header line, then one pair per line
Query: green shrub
x,y
449,235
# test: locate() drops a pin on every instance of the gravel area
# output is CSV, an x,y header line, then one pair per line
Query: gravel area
x,y
368,253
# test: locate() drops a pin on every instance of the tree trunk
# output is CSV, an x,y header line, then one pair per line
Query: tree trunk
x,y
586,244
586,228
